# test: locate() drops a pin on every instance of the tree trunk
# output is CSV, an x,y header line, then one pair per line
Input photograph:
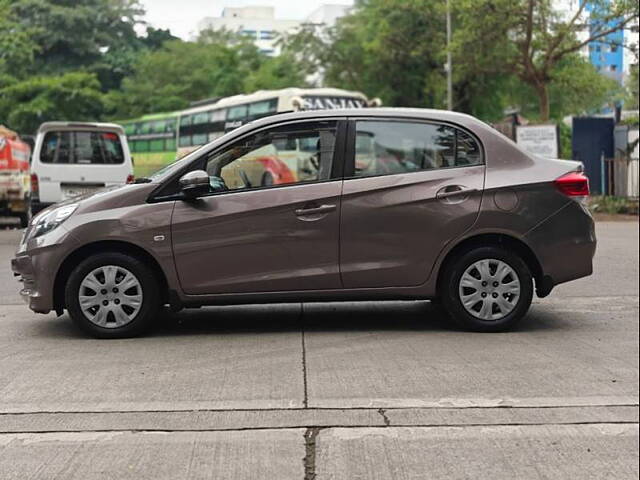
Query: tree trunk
x,y
543,100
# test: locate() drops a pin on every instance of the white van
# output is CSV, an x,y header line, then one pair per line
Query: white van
x,y
73,158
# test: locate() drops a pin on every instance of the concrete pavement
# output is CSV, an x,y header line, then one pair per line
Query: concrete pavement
x,y
331,391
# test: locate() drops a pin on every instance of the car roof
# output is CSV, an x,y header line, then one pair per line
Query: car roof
x,y
107,127
419,113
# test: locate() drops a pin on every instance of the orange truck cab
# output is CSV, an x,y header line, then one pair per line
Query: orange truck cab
x,y
15,183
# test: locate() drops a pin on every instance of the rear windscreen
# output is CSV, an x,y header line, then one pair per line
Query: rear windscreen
x,y
83,148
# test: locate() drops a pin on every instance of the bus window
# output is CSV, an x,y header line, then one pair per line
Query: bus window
x,y
261,108
218,115
200,118
170,144
130,129
185,141
158,126
237,113
156,145
145,128
186,120
200,139
143,146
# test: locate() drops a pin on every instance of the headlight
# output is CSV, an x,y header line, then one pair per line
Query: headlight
x,y
47,222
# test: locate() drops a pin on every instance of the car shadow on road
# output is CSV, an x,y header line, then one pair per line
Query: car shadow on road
x,y
419,316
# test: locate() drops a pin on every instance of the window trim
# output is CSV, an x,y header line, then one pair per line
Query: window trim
x,y
336,173
350,150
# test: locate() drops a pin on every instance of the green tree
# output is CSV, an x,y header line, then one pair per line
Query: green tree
x,y
17,47
392,49
219,63
274,73
535,38
180,72
632,87
72,96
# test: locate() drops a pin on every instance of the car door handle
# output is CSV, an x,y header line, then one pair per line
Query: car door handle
x,y
303,212
454,191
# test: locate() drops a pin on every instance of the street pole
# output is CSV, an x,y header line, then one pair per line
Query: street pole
x,y
449,66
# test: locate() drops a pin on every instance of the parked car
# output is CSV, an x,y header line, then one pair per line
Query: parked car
x,y
438,206
74,158
15,185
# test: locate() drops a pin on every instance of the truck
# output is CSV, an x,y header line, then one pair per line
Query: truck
x,y
15,179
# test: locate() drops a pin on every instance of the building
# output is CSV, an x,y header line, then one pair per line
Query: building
x,y
260,23
257,22
610,55
327,15
606,54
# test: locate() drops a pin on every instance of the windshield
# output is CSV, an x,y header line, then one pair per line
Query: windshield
x,y
82,147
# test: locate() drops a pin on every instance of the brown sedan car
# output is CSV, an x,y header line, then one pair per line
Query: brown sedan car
x,y
386,204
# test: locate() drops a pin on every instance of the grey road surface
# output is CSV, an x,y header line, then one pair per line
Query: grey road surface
x,y
331,391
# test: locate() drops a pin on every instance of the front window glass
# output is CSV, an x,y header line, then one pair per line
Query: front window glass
x,y
386,148
276,157
82,147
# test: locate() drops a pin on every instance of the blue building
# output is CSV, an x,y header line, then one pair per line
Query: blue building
x,y
607,53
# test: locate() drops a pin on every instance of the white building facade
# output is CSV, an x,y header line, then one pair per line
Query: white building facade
x,y
260,24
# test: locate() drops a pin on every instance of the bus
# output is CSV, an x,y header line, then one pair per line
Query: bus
x,y
159,139
152,141
204,123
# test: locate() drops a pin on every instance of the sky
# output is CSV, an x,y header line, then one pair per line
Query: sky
x,y
182,16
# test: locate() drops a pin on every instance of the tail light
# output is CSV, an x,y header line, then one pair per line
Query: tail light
x,y
35,187
131,179
574,184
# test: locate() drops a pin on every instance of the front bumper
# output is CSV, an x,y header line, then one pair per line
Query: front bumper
x,y
36,265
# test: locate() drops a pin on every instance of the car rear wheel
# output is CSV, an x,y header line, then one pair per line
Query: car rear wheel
x,y
487,289
112,295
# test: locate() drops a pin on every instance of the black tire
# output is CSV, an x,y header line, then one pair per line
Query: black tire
x,y
150,295
450,295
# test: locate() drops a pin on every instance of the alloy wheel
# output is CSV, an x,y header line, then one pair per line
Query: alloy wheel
x,y
489,289
110,296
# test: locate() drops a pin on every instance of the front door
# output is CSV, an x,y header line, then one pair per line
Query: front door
x,y
412,187
271,222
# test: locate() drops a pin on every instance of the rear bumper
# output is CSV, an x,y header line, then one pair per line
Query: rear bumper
x,y
564,244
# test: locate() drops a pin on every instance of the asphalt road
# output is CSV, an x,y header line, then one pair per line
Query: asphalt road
x,y
331,391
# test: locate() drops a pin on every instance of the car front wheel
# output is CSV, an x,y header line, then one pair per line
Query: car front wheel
x,y
112,295
487,289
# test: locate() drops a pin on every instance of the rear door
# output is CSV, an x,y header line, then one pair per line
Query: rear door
x,y
410,188
73,162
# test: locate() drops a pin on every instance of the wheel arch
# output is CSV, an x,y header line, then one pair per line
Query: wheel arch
x,y
118,246
501,240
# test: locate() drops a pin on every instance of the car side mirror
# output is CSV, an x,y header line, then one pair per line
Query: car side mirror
x,y
194,184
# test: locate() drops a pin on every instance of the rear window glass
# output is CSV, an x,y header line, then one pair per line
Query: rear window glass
x,y
84,148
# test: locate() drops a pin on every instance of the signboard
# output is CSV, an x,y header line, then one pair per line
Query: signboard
x,y
329,103
541,140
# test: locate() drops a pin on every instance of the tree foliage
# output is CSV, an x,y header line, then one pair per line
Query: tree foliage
x,y
92,59
217,64
71,96
535,38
